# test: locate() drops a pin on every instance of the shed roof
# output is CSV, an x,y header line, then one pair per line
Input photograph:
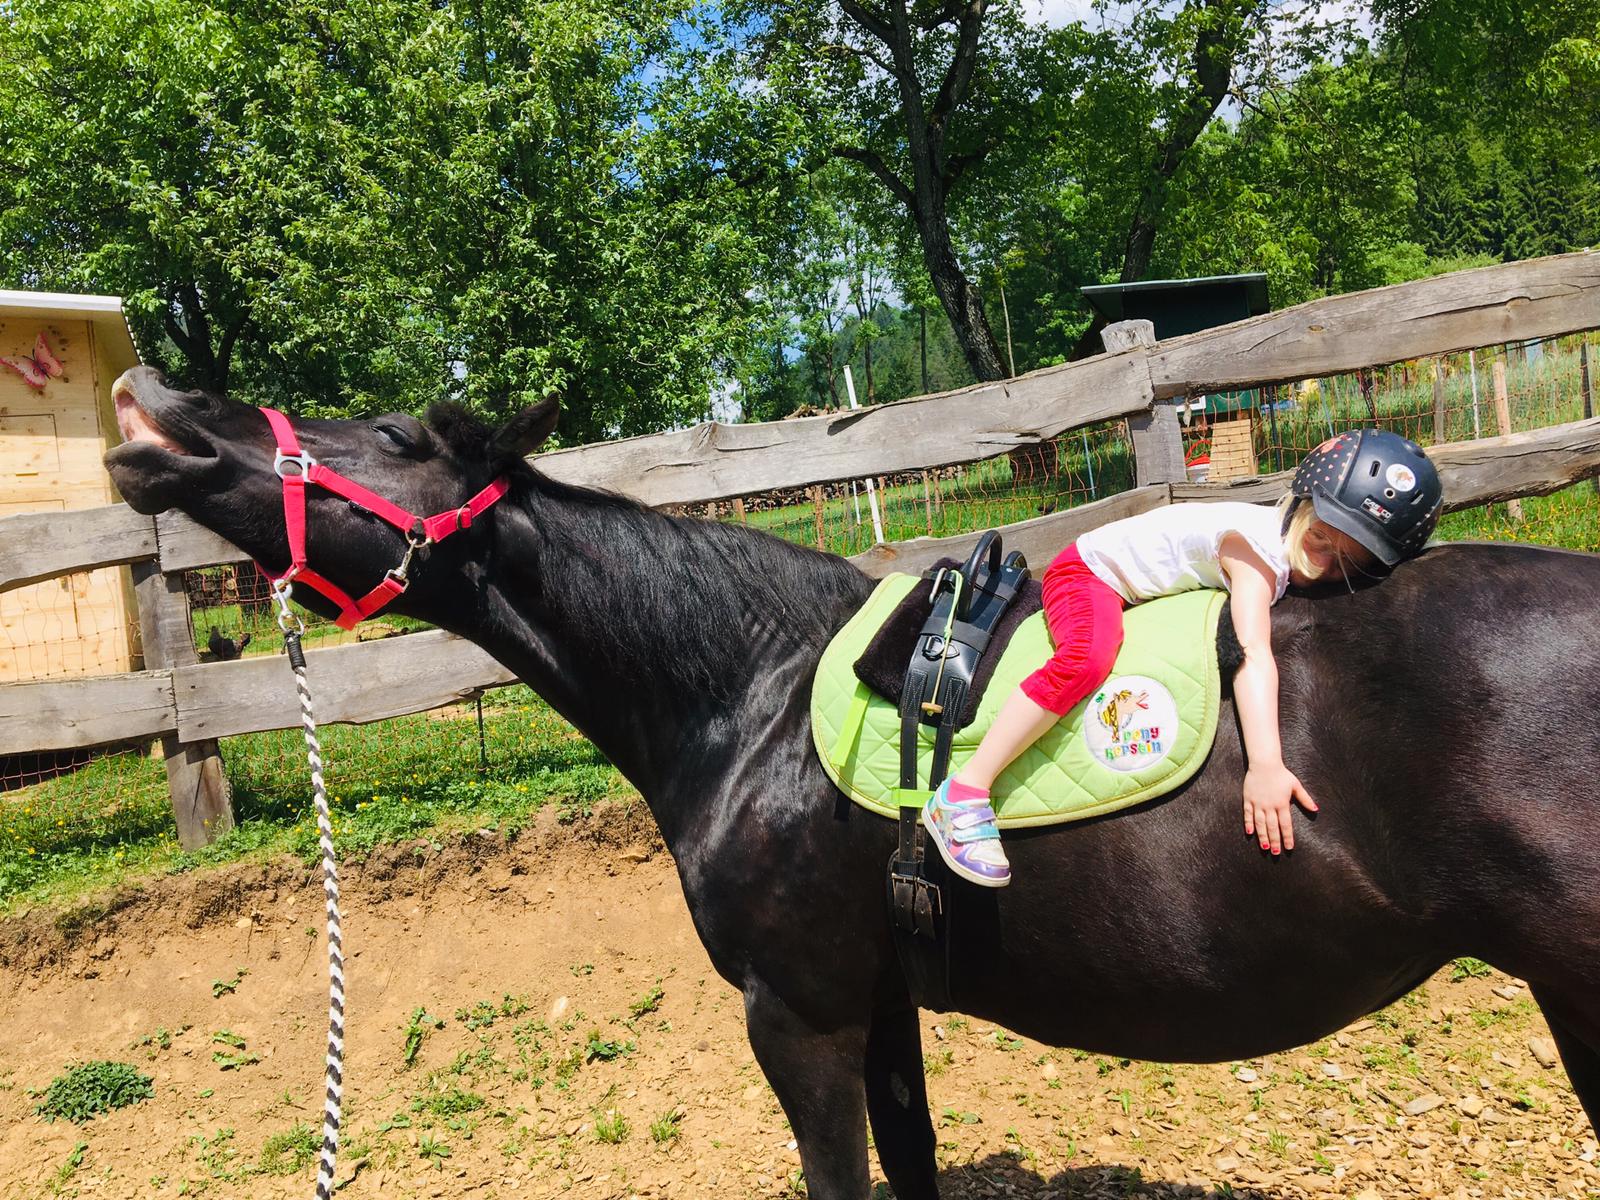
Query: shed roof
x,y
1179,306
103,312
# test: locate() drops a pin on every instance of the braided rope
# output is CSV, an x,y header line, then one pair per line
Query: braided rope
x,y
330,887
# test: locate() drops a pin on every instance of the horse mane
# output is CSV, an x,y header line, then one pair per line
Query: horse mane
x,y
685,598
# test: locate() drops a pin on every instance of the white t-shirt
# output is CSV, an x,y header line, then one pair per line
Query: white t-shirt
x,y
1175,548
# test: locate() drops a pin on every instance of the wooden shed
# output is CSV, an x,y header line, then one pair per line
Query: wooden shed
x,y
59,354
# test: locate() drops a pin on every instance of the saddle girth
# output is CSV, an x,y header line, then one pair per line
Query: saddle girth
x,y
969,602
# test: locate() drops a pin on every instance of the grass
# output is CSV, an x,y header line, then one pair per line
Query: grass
x,y
110,822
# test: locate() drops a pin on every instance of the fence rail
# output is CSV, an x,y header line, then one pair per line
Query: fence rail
x,y
189,704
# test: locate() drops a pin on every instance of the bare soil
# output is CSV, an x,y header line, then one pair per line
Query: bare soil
x,y
542,958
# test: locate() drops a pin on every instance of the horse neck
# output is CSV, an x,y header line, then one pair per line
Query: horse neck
x,y
665,640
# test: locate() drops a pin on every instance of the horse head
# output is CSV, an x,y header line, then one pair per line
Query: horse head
x,y
220,462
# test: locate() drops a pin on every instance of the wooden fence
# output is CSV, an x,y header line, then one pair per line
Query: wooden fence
x,y
189,705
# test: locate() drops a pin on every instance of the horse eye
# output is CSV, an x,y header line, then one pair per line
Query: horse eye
x,y
396,436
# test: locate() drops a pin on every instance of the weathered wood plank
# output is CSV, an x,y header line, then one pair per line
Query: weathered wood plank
x,y
67,714
186,544
1039,538
713,461
39,546
359,683
1484,307
1486,471
202,798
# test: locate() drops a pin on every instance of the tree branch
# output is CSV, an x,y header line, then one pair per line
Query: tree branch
x,y
874,24
860,52
959,164
947,12
873,161
959,76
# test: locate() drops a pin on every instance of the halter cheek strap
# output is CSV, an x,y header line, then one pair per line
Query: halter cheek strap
x,y
297,468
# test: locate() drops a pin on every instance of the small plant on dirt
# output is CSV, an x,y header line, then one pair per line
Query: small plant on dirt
x,y
217,1154
1278,1143
98,1087
605,1050
223,987
1469,968
433,1151
421,1022
65,1171
935,1064
482,1014
647,1003
452,1102
611,1127
1004,1042
581,969
237,1057
665,1129
291,1151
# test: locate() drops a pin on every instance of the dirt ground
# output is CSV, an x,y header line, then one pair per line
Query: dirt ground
x,y
575,1041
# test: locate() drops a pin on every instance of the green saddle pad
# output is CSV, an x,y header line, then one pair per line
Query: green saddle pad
x,y
1144,732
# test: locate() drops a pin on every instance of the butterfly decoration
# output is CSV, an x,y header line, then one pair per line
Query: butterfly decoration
x,y
37,368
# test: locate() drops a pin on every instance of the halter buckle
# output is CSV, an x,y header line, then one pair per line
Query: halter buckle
x,y
302,460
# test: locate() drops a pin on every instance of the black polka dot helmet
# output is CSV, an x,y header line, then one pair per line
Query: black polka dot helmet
x,y
1376,486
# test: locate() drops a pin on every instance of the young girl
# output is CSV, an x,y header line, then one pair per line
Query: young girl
x,y
1375,498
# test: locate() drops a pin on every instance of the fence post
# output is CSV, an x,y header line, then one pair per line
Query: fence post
x,y
1588,396
1157,437
1441,431
1502,417
202,801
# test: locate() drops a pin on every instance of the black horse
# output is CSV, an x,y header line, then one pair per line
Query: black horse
x,y
1440,719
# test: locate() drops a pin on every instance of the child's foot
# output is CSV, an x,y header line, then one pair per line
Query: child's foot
x,y
968,840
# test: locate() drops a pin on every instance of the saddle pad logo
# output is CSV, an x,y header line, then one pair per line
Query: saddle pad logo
x,y
1131,723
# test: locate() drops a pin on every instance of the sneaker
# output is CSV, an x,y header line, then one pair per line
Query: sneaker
x,y
967,837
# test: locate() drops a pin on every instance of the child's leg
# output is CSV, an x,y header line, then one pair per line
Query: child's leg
x,y
1085,620
1020,723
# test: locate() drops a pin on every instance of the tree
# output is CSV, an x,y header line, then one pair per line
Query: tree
x,y
334,207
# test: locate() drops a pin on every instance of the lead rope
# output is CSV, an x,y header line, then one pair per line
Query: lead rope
x,y
293,628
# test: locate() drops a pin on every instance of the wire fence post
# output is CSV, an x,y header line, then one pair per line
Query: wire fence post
x,y
1502,416
1588,395
1441,431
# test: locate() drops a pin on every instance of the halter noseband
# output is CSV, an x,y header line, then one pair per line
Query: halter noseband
x,y
297,468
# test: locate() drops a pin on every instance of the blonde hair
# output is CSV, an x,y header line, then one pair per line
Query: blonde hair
x,y
1294,538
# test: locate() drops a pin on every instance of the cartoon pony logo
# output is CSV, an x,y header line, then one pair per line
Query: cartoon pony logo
x,y
1119,711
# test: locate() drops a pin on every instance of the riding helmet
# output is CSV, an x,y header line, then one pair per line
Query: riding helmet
x,y
1375,486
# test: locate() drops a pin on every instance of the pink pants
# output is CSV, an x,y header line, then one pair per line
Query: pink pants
x,y
1084,615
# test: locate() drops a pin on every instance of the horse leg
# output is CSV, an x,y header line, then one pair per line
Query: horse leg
x,y
897,1104
817,1076
1578,1039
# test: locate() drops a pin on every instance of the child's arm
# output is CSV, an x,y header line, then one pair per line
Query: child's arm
x,y
1270,788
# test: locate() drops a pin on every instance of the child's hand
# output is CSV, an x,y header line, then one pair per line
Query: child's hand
x,y
1270,790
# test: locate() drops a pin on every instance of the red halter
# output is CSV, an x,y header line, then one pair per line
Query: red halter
x,y
296,468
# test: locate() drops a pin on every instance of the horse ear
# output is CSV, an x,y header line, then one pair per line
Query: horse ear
x,y
523,434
